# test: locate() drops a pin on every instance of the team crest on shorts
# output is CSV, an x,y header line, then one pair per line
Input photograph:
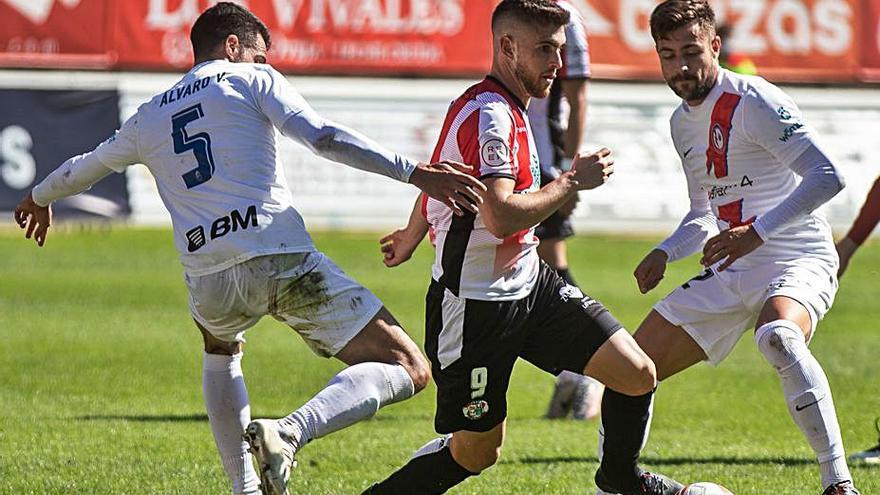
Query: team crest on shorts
x,y
475,409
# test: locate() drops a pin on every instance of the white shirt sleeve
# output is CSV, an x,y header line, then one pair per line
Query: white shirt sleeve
x,y
81,172
495,140
821,182
772,120
291,114
697,226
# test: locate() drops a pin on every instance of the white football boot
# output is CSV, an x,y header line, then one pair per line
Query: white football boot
x,y
274,455
872,455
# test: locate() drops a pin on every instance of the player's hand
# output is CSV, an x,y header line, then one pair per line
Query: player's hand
x,y
846,247
35,218
650,271
732,244
450,183
591,170
399,246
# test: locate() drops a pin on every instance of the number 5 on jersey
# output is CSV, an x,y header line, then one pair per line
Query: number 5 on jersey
x,y
199,144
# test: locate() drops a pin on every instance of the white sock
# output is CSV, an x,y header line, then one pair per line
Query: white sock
x,y
229,412
356,393
807,394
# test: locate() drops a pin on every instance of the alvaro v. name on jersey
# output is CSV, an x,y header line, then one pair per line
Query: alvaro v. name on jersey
x,y
176,94
222,226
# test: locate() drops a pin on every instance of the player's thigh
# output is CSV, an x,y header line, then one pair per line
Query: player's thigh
x,y
669,346
472,346
567,328
325,306
622,366
710,309
476,451
383,340
802,293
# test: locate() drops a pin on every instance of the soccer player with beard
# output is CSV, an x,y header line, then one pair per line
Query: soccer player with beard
x,y
492,300
210,143
755,174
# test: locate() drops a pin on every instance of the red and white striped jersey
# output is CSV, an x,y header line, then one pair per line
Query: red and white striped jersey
x,y
487,128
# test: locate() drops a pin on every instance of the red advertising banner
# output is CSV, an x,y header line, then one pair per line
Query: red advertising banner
x,y
870,41
445,37
790,40
50,33
800,40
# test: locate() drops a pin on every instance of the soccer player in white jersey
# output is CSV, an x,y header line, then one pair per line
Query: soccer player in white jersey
x,y
558,123
209,141
491,299
755,174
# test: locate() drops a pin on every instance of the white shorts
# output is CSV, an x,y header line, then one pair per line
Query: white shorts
x,y
716,308
307,291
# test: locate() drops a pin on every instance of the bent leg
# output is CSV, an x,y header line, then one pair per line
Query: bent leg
x,y
228,408
782,332
385,367
626,413
444,463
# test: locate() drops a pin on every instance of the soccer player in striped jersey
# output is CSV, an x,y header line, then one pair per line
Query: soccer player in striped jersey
x,y
210,143
491,300
755,174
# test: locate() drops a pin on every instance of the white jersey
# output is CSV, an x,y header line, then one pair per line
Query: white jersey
x,y
219,175
736,148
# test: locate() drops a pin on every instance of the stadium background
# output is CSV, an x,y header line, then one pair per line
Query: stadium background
x,y
100,365
390,67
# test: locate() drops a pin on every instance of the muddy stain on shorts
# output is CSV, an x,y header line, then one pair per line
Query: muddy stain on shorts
x,y
303,297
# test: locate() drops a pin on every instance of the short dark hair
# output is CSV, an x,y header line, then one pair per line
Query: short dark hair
x,y
221,20
675,14
546,12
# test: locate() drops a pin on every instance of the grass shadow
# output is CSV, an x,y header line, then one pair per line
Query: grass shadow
x,y
675,461
142,418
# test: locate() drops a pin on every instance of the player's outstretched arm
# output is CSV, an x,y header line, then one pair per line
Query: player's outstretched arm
x,y
34,218
398,246
864,224
450,183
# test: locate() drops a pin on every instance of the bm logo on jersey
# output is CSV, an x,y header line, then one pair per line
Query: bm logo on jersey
x,y
222,226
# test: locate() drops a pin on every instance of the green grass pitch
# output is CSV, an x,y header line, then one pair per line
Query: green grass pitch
x,y
100,380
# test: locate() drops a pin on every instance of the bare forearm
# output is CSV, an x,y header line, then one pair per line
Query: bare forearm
x,y
868,216
576,94
515,212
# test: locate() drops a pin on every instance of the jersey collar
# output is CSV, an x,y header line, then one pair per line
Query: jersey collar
x,y
506,92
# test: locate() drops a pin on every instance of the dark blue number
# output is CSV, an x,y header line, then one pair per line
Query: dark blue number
x,y
199,144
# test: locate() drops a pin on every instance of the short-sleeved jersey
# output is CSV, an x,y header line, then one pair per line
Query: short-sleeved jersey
x,y
736,148
487,127
549,115
209,142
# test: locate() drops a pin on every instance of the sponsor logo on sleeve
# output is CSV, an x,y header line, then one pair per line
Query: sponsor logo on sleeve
x,y
495,152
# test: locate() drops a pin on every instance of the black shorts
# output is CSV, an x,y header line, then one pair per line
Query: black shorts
x,y
473,345
555,226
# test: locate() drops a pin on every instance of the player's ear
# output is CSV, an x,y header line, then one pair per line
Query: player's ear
x,y
716,45
508,46
231,47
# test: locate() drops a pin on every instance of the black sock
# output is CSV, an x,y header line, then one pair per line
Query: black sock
x,y
625,420
424,475
566,275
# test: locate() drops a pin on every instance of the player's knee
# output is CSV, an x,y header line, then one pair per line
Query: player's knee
x,y
642,379
478,458
782,343
420,373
